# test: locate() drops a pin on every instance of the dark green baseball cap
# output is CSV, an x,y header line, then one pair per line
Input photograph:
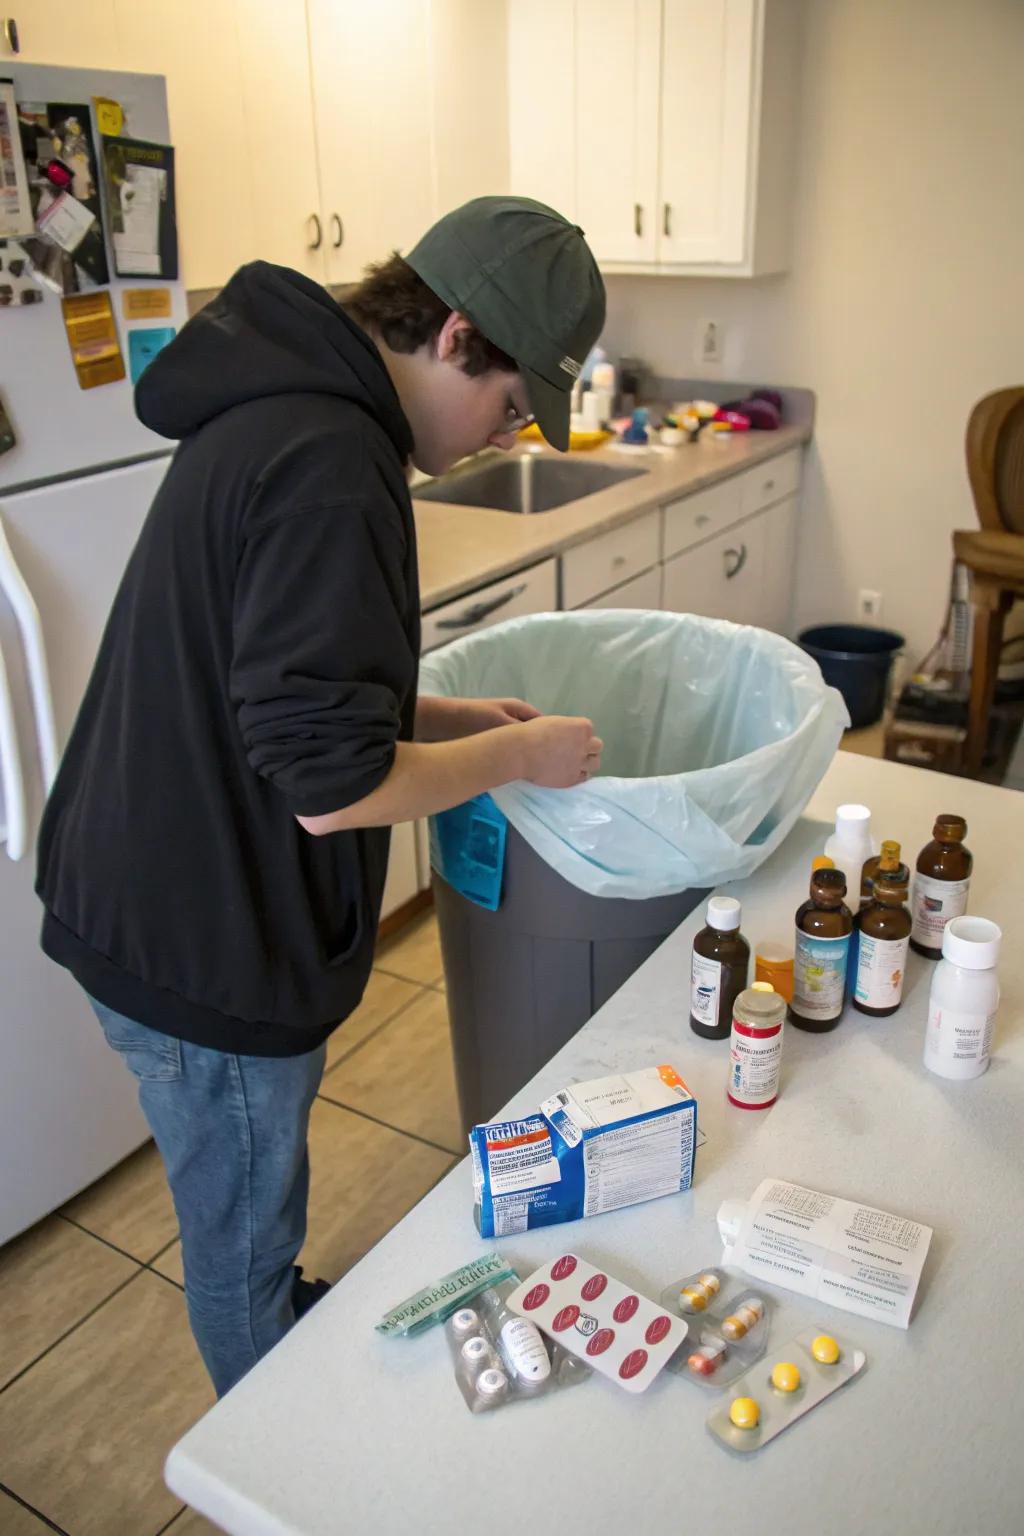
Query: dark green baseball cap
x,y
526,278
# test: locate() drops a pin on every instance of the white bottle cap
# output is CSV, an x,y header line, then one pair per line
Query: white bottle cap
x,y
724,913
730,1219
491,1383
851,821
972,942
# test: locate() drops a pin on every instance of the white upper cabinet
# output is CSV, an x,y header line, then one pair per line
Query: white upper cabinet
x,y
281,160
706,91
373,99
616,114
666,127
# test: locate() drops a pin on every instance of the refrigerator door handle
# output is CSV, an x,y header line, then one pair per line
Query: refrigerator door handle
x,y
16,590
14,828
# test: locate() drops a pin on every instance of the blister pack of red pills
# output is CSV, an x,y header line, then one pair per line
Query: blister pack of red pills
x,y
614,1329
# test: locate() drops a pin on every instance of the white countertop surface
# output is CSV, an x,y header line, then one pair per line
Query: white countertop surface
x,y
339,1430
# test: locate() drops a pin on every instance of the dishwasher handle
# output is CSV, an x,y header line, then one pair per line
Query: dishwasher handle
x,y
480,611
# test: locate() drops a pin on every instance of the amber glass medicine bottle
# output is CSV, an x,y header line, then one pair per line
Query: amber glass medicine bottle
x,y
941,885
823,928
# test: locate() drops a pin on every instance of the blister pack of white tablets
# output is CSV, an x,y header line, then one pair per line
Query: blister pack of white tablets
x,y
781,1389
603,1322
727,1337
499,1357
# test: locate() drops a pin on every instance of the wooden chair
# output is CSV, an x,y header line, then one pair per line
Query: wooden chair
x,y
995,554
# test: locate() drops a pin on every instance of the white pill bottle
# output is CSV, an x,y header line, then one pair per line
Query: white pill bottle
x,y
964,999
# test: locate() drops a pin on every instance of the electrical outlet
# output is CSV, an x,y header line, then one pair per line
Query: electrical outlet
x,y
869,603
710,341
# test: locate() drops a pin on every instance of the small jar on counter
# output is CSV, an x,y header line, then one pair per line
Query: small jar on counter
x,y
964,999
755,1047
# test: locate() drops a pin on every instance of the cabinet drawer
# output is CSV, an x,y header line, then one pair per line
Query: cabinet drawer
x,y
695,518
608,561
531,591
770,482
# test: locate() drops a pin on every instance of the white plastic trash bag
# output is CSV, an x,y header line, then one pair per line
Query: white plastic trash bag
x,y
715,737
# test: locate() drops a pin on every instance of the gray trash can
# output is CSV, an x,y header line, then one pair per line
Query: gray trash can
x,y
715,738
522,980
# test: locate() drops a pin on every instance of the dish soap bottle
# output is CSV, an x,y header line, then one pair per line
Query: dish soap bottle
x,y
884,938
850,847
718,969
889,862
823,928
941,886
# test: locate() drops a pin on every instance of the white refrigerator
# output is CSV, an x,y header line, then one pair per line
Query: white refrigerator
x,y
74,491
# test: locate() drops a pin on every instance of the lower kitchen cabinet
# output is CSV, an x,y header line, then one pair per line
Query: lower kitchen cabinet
x,y
642,592
403,881
720,579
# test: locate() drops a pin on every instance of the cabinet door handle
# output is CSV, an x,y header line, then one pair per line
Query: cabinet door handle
x,y
473,615
739,556
769,485
316,230
666,223
701,519
619,561
339,232
11,37
638,219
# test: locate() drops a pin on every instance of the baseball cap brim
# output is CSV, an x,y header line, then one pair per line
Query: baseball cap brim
x,y
551,407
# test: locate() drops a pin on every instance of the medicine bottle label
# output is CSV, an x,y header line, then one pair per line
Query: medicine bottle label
x,y
936,902
959,1036
754,1062
819,976
881,967
705,989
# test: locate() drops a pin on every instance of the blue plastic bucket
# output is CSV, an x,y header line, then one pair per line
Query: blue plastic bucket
x,y
857,660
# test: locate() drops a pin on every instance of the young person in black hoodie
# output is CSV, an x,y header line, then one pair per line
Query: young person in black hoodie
x,y
212,858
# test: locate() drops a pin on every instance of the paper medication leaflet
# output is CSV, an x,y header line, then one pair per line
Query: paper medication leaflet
x,y
851,1256
593,1147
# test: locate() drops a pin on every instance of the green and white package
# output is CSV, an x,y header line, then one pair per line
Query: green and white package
x,y
438,1301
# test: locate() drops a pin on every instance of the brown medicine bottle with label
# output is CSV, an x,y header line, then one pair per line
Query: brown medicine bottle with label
x,y
884,932
941,885
823,928
719,969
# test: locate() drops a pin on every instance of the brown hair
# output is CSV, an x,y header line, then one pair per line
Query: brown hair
x,y
395,301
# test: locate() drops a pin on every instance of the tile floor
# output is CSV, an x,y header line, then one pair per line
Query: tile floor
x,y
98,1372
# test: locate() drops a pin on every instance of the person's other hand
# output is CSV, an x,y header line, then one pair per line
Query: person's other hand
x,y
560,751
486,714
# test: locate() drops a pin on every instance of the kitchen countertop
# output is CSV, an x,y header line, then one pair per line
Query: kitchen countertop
x,y
461,548
341,1430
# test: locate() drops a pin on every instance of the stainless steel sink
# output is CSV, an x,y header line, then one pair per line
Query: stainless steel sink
x,y
523,482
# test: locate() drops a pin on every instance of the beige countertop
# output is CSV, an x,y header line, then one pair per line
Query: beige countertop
x,y
461,548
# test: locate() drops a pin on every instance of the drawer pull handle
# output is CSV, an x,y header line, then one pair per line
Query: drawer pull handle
x,y
769,485
740,558
316,231
619,560
479,611
702,519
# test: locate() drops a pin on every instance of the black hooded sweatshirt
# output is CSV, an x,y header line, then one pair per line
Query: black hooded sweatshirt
x,y
259,661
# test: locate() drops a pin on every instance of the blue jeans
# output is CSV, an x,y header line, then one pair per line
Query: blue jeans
x,y
232,1134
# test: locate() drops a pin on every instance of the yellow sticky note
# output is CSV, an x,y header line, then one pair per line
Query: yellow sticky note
x,y
92,336
109,116
146,303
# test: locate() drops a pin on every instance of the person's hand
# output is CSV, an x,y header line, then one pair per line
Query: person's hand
x,y
560,751
486,714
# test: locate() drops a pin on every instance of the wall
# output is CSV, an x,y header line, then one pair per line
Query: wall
x,y
903,303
